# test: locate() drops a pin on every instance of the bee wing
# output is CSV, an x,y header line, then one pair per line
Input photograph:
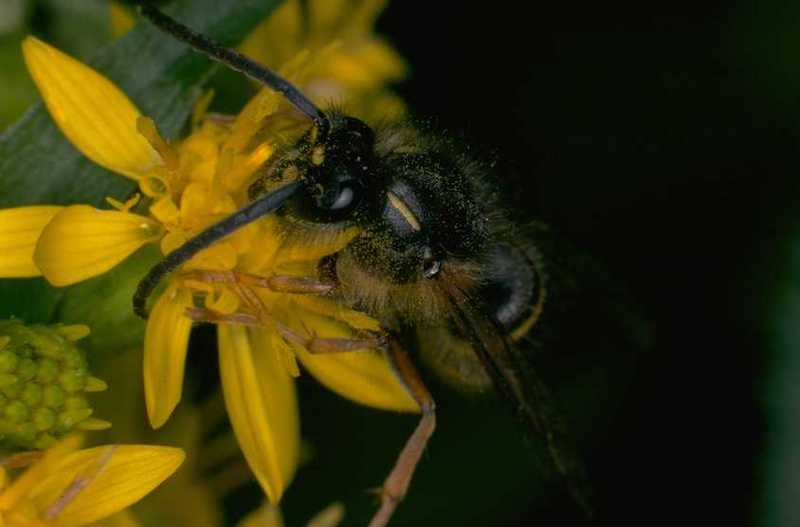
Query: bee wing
x,y
530,398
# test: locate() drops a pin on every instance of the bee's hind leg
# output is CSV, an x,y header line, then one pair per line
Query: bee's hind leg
x,y
396,484
313,344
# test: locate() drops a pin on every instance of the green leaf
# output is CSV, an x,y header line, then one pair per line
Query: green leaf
x,y
162,76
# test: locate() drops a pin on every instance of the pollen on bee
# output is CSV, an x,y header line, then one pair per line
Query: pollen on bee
x,y
318,155
290,173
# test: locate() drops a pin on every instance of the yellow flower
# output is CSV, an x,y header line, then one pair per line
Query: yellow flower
x,y
190,185
67,487
353,63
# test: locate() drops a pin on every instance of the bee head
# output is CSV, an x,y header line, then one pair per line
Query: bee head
x,y
340,173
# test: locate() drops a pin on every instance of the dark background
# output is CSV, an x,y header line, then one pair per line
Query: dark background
x,y
664,144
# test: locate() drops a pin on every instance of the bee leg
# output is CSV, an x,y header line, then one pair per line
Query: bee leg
x,y
320,346
323,346
314,344
397,483
277,283
200,314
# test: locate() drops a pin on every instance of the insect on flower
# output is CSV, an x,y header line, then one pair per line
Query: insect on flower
x,y
431,256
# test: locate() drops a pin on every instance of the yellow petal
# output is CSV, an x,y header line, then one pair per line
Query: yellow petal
x,y
363,16
267,515
19,230
81,242
121,519
276,39
165,341
326,307
90,110
325,15
122,20
115,477
365,376
262,406
330,516
365,67
22,485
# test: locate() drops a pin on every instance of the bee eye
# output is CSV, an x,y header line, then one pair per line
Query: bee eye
x,y
339,198
430,264
344,199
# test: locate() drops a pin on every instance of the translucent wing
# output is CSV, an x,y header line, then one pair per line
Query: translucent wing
x,y
530,398
584,321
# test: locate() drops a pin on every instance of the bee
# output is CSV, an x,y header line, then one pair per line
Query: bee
x,y
452,280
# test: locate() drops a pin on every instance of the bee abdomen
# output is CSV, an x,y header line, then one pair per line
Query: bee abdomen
x,y
453,360
515,291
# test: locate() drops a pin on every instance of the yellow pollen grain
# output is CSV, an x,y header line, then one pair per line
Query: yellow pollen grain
x,y
404,211
318,155
290,173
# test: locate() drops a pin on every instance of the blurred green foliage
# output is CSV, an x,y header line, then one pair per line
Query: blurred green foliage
x,y
18,91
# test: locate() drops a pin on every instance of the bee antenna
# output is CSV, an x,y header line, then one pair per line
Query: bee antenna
x,y
236,61
255,210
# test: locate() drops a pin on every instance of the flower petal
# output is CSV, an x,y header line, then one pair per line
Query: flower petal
x,y
361,376
20,228
267,515
165,341
23,485
366,67
121,519
115,477
81,242
90,110
262,405
122,19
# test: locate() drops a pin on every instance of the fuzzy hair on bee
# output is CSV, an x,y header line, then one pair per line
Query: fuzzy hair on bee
x,y
431,254
413,250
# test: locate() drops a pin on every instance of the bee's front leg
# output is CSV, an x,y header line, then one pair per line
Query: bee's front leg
x,y
396,484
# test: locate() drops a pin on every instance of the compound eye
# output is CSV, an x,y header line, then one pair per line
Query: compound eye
x,y
340,197
345,199
430,264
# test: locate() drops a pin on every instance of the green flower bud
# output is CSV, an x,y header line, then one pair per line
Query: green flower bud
x,y
44,419
48,371
12,388
26,370
8,361
44,380
31,395
16,412
53,396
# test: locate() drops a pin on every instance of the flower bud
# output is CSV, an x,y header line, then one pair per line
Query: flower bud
x,y
44,379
